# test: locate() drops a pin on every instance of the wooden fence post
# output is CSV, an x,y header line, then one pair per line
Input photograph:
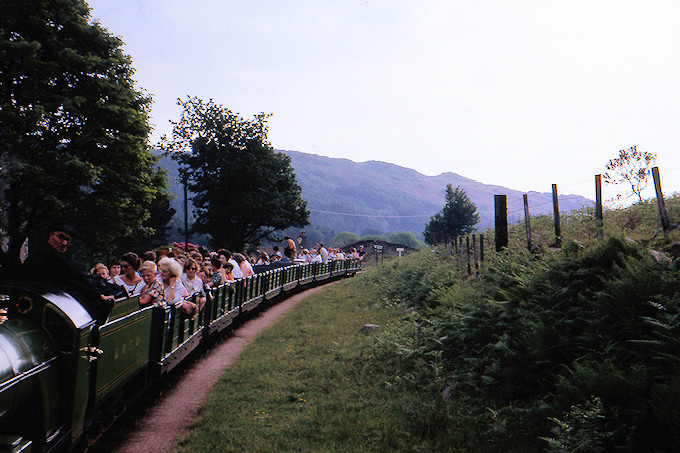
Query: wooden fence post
x,y
481,248
599,219
500,203
527,220
474,252
665,224
467,246
556,210
460,253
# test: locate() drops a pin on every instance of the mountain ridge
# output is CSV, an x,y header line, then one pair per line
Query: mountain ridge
x,y
343,195
371,186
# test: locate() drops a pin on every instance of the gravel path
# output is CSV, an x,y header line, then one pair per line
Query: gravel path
x,y
169,420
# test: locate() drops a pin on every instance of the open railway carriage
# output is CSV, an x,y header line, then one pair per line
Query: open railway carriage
x,y
62,375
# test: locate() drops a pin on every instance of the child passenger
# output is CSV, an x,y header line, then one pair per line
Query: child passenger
x,y
152,293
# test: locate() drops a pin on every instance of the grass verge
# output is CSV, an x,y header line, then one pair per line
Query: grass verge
x,y
300,387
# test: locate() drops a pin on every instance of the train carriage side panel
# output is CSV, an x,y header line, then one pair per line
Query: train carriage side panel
x,y
125,343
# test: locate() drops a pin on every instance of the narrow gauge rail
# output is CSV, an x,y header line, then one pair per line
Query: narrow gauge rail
x,y
61,374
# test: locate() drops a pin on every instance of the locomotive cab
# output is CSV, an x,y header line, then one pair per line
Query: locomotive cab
x,y
44,367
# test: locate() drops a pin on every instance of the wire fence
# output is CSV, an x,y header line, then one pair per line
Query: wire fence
x,y
470,250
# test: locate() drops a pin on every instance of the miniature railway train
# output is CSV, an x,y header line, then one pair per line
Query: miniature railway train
x,y
61,373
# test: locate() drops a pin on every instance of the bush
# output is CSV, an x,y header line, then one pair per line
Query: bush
x,y
502,357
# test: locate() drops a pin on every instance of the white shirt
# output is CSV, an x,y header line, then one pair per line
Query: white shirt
x,y
237,272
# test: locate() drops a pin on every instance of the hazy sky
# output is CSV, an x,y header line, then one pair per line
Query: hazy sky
x,y
517,93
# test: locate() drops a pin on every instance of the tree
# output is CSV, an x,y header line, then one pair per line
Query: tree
x,y
73,129
459,216
345,238
406,238
244,191
632,167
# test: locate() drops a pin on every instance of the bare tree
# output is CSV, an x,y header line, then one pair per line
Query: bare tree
x,y
632,167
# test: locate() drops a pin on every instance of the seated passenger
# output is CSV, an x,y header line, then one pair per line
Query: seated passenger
x,y
152,292
129,279
229,272
217,278
101,270
303,256
244,265
149,255
175,292
204,273
192,282
263,260
316,258
114,268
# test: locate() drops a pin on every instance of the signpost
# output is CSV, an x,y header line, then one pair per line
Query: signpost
x,y
378,254
399,250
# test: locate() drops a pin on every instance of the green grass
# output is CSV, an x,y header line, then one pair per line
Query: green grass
x,y
300,386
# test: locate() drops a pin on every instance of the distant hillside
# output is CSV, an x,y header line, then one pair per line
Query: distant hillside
x,y
359,196
354,196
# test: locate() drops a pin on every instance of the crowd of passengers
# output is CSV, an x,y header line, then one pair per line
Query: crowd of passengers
x,y
176,277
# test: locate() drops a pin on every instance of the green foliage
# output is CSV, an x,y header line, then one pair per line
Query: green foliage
x,y
406,238
73,128
344,238
458,217
414,279
244,191
535,338
580,431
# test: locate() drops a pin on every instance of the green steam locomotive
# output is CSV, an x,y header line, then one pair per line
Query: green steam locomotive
x,y
62,375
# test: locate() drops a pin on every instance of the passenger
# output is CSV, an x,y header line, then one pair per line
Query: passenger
x,y
264,259
229,272
339,255
361,252
101,270
304,256
192,282
316,258
129,279
290,249
47,262
245,266
217,277
204,273
114,268
175,292
323,253
236,268
277,252
149,255
152,293
353,253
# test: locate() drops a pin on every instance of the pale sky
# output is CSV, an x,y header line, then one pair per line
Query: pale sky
x,y
516,93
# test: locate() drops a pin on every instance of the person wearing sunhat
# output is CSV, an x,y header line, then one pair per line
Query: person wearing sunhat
x,y
47,262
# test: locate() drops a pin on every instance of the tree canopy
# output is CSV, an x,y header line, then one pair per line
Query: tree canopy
x,y
244,190
458,217
633,168
73,128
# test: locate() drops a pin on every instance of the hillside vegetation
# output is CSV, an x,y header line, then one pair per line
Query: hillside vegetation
x,y
575,350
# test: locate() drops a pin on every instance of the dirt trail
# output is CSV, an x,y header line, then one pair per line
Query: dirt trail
x,y
168,421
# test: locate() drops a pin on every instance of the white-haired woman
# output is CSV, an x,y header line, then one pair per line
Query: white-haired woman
x,y
175,292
